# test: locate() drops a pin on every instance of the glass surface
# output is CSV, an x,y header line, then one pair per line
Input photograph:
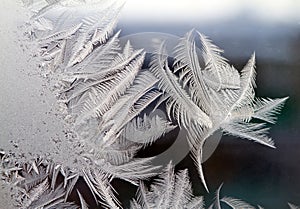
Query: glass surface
x,y
271,29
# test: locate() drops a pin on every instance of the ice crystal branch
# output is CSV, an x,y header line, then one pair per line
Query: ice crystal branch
x,y
217,96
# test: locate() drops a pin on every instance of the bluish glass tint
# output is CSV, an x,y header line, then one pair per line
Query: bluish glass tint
x,y
252,172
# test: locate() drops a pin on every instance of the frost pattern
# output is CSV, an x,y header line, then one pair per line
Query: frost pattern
x,y
170,191
103,92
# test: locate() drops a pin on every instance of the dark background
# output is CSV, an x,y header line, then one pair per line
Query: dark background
x,y
249,171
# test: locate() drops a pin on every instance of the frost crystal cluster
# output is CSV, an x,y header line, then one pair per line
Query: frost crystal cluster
x,y
104,90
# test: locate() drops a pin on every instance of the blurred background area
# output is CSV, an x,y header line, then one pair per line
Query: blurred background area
x,y
271,29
